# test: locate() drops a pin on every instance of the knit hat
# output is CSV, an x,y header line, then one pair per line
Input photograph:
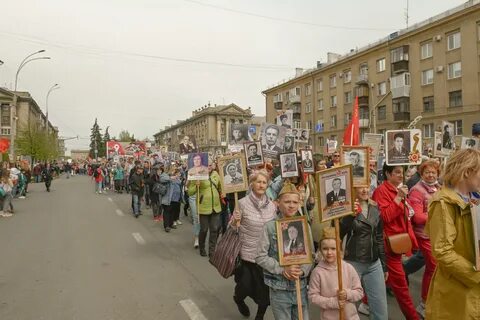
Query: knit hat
x,y
288,187
328,233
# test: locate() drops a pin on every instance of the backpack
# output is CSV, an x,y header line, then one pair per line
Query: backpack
x,y
160,188
95,173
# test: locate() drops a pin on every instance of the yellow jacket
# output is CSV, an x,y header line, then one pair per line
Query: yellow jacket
x,y
454,292
209,196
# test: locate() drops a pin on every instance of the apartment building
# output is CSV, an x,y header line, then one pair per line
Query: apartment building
x,y
210,126
430,69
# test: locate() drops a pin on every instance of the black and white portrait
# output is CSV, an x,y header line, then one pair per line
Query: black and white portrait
x,y
233,173
404,147
187,145
238,134
273,139
285,119
470,143
448,142
294,243
289,145
307,161
303,135
253,153
336,190
288,165
358,157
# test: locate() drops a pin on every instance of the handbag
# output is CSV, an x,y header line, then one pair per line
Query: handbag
x,y
400,243
226,255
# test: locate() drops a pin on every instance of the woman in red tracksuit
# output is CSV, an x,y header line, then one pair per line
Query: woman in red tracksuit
x,y
391,199
419,197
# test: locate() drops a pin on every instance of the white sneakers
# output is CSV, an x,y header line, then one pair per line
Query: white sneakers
x,y
5,214
364,309
195,243
179,222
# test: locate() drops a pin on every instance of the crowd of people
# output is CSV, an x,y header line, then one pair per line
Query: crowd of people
x,y
429,204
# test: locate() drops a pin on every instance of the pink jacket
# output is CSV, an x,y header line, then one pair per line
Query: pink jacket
x,y
419,197
323,290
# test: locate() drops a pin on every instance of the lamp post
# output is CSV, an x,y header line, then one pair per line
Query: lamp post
x,y
13,109
54,87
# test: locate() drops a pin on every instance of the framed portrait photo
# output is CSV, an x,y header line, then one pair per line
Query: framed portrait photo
x,y
294,243
285,119
470,143
238,134
359,158
198,166
302,136
335,192
253,153
448,141
233,173
403,147
289,165
273,139
307,161
374,142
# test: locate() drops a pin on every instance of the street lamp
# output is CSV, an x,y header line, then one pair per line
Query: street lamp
x,y
14,106
54,87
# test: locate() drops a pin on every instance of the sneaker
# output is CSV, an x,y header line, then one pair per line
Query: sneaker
x,y
421,310
364,309
174,223
174,226
195,243
179,222
6,215
167,229
100,191
21,197
203,253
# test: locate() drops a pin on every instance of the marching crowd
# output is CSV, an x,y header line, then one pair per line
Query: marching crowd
x,y
426,208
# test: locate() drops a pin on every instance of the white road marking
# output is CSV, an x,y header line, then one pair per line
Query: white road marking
x,y
192,310
138,238
119,212
110,199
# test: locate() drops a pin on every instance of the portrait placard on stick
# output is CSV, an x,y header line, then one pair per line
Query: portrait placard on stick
x,y
273,138
285,119
359,158
448,143
403,147
253,153
437,145
374,141
197,166
289,165
470,143
334,191
307,161
294,243
233,173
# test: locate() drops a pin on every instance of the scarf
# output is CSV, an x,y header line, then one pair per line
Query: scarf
x,y
259,203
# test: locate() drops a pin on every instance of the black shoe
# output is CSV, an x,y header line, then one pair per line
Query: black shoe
x,y
174,227
136,215
242,307
167,229
203,253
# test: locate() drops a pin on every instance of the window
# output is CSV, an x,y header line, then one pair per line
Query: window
x,y
428,105
458,124
308,89
308,107
454,41
333,81
5,131
428,130
348,97
454,70
400,80
381,65
347,118
427,77
347,76
400,106
297,124
333,101
363,71
455,98
5,115
333,121
320,104
320,126
399,54
321,141
320,85
382,112
308,125
382,88
426,50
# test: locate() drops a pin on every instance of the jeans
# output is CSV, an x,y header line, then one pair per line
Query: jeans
x,y
284,304
192,201
98,186
373,282
38,178
136,204
209,222
7,202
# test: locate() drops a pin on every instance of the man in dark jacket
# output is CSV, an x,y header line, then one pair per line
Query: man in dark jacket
x,y
137,186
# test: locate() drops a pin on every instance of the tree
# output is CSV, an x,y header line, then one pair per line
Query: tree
x,y
124,136
34,142
97,149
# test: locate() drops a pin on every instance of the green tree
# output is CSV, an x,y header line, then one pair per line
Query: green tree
x,y
97,149
124,136
34,142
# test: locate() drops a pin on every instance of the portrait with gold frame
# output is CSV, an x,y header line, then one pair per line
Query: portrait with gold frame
x,y
294,241
233,173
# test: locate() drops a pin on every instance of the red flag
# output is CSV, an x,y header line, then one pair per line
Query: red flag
x,y
351,136
4,145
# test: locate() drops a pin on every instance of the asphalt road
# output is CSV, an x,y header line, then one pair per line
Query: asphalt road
x,y
73,254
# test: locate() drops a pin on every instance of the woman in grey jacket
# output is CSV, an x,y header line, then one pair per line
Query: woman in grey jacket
x,y
171,199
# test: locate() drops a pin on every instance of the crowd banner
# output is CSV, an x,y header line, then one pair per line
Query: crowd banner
x,y
336,200
402,147
294,248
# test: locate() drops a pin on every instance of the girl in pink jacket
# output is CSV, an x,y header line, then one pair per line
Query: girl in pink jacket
x,y
323,290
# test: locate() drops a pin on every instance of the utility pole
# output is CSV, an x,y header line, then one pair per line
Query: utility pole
x,y
406,14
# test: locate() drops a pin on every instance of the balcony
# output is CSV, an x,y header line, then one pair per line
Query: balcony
x,y
278,105
363,101
401,116
400,85
399,58
400,67
362,79
296,109
294,99
364,122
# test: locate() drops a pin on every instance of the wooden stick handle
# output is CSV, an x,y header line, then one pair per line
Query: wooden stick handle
x,y
198,203
299,299
237,223
339,264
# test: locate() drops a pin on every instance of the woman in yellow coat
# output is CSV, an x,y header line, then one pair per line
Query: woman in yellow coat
x,y
454,292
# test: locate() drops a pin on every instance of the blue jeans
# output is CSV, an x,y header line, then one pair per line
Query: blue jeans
x,y
136,204
98,186
284,304
373,282
192,201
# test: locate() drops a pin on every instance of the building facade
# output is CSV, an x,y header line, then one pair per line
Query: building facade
x,y
430,70
209,125
27,114
79,154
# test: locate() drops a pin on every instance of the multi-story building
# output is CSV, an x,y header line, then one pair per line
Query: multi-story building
x,y
79,154
27,114
209,125
430,69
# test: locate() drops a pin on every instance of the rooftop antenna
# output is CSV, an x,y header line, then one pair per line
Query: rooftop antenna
x,y
406,14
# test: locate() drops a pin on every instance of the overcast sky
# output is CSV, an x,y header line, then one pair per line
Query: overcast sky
x,y
127,62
